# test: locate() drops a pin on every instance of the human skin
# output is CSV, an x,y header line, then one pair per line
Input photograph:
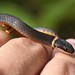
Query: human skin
x,y
22,56
61,63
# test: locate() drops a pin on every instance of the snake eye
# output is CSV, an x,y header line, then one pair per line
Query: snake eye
x,y
62,44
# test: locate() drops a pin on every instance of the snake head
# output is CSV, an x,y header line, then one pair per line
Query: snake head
x,y
64,45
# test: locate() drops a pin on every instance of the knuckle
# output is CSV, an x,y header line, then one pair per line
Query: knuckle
x,y
22,41
18,40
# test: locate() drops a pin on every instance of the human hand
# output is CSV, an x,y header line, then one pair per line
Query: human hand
x,y
61,63
22,56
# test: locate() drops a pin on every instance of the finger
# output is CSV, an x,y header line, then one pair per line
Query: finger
x,y
4,37
22,56
72,42
61,64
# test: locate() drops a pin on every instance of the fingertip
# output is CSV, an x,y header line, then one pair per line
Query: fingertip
x,y
71,40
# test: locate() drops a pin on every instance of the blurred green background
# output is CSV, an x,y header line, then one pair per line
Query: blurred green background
x,y
58,15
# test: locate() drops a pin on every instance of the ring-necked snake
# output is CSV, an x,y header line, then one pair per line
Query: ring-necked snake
x,y
41,35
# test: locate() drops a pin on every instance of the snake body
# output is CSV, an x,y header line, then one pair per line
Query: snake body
x,y
47,38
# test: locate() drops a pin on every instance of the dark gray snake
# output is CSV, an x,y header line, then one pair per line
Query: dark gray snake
x,y
43,36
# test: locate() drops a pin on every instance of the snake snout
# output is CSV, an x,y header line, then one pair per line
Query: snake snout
x,y
62,44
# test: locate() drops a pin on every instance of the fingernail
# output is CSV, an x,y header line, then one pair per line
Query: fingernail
x,y
71,40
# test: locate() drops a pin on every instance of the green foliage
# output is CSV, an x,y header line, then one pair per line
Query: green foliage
x,y
17,11
53,14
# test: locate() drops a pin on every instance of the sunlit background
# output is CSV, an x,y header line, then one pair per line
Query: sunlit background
x,y
58,15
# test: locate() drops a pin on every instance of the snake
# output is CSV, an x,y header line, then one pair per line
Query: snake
x,y
41,35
